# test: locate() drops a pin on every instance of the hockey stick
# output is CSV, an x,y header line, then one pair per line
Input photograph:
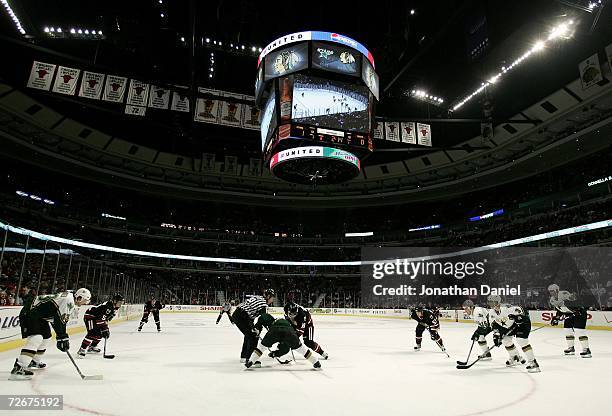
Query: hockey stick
x,y
83,377
469,353
466,366
437,341
105,355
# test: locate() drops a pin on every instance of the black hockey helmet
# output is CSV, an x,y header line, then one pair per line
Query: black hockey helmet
x,y
418,309
118,297
292,309
269,293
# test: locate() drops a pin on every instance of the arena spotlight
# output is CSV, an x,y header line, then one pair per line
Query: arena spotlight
x,y
561,31
13,17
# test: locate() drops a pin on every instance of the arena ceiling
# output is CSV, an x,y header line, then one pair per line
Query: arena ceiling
x,y
448,51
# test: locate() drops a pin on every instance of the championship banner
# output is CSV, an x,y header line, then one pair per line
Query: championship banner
x,y
231,165
138,93
91,85
114,88
180,102
392,131
590,71
231,113
135,110
41,76
378,132
250,117
424,134
159,98
66,80
408,132
207,111
609,54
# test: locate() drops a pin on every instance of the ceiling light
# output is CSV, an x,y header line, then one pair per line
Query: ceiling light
x,y
46,30
208,40
72,31
87,31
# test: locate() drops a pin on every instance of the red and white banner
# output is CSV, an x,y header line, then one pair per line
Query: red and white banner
x,y
207,110
392,131
408,132
180,102
590,71
41,76
66,80
91,85
138,93
250,119
378,132
424,134
114,88
231,113
159,98
135,110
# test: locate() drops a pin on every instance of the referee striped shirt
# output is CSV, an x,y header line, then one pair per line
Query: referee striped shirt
x,y
254,306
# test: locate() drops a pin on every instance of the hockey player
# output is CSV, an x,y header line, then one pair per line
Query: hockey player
x,y
281,331
244,317
301,320
574,319
96,321
151,306
225,308
37,315
426,319
511,322
481,318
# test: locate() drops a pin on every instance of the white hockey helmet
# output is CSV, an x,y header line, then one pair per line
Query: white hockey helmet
x,y
83,293
493,300
553,288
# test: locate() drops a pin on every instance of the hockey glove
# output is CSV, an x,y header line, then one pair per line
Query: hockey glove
x,y
63,344
497,339
516,318
105,332
475,336
554,321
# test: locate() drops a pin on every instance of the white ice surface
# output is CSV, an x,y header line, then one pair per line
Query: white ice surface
x,y
192,368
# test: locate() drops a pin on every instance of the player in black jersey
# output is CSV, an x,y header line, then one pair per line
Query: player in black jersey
x,y
96,321
154,306
244,317
427,319
301,321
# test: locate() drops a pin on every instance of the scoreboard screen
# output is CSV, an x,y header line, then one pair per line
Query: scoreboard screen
x,y
329,136
268,119
336,58
333,104
286,61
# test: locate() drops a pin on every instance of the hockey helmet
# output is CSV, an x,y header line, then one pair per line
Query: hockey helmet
x,y
292,309
84,294
269,293
553,287
493,300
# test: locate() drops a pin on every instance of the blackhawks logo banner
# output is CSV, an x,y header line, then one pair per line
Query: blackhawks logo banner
x,y
114,88
66,80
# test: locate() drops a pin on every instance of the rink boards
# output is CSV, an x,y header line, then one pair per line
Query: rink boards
x,y
596,319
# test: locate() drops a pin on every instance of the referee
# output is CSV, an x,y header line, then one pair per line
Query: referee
x,y
244,317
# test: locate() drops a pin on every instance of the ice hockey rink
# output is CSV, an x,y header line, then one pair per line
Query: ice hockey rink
x,y
192,367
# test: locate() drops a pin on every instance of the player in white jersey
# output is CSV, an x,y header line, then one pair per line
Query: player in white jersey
x,y
510,322
482,319
574,319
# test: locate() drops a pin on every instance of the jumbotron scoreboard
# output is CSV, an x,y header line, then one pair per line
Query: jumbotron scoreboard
x,y
317,93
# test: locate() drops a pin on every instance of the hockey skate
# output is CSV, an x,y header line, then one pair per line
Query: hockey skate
x,y
325,356
533,367
586,353
36,365
243,360
417,348
251,364
485,357
569,351
515,360
81,353
20,373
317,365
94,350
